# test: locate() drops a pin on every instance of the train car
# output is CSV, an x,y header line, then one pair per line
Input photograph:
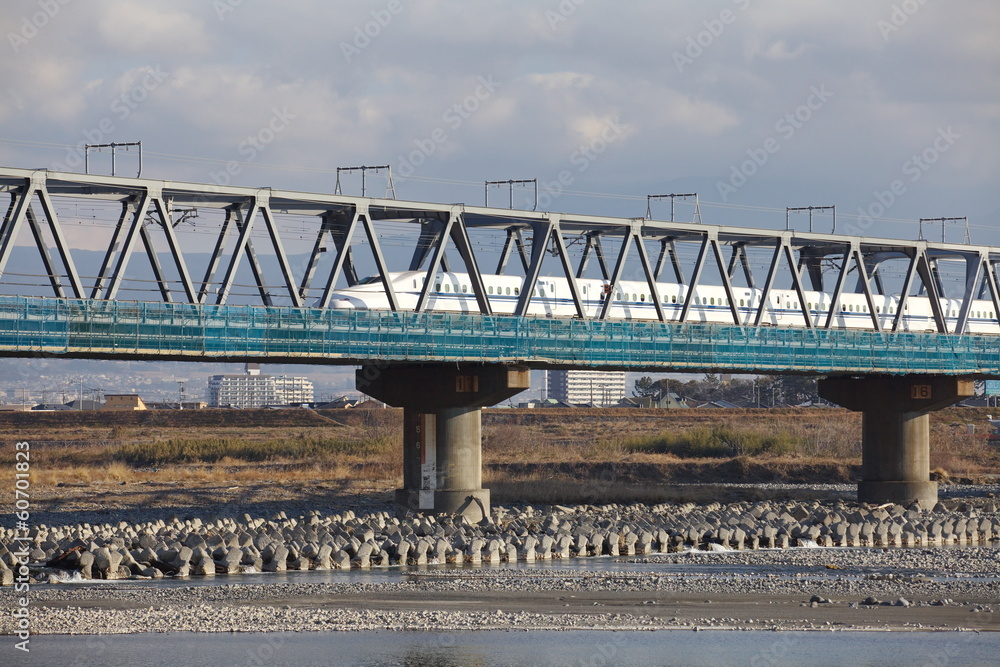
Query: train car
x,y
632,300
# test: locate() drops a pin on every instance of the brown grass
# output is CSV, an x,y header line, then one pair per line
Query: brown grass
x,y
527,453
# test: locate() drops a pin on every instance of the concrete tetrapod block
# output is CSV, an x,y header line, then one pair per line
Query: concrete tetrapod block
x,y
323,558
362,558
563,547
544,549
107,562
341,560
278,561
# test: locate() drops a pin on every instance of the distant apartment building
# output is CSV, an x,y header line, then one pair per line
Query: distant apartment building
x,y
253,390
602,388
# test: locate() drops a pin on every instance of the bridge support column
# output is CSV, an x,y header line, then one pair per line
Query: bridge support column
x,y
895,440
442,436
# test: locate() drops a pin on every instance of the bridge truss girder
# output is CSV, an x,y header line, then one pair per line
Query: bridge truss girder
x,y
147,208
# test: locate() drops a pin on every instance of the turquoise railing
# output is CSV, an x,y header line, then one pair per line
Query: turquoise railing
x,y
90,328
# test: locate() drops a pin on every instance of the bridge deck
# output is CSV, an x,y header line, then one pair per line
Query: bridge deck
x,y
87,328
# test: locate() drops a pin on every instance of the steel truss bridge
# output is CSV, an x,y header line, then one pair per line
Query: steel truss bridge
x,y
196,317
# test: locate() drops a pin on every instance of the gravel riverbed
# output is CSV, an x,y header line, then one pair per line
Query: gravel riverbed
x,y
585,567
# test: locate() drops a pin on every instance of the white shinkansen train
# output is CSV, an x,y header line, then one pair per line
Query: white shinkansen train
x,y
452,292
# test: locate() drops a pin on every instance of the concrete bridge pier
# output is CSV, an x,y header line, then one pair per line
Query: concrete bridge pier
x,y
442,433
895,441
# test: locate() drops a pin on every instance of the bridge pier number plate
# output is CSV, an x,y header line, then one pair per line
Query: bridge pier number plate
x,y
920,391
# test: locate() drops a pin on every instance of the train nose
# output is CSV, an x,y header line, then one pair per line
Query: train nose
x,y
337,304
341,304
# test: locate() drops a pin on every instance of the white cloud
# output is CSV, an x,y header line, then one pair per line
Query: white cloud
x,y
150,28
559,80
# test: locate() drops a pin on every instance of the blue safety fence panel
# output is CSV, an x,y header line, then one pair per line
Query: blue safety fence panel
x,y
81,327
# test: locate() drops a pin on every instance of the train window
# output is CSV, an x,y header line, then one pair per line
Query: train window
x,y
634,297
517,290
447,287
795,305
787,305
741,303
490,288
878,309
642,297
713,300
696,301
437,287
508,291
414,283
673,299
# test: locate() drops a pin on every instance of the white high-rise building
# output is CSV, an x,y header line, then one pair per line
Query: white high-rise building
x,y
602,388
253,390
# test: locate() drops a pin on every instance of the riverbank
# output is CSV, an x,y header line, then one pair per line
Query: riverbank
x,y
688,565
943,590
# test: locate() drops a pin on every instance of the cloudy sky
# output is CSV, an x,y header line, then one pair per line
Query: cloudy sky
x,y
887,108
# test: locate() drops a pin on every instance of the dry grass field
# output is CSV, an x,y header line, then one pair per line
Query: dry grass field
x,y
537,455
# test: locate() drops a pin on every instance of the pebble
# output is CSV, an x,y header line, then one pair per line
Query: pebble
x,y
737,534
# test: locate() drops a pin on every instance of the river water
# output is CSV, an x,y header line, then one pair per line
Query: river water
x,y
485,649
517,648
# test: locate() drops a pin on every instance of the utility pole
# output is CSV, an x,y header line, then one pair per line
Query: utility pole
x,y
364,169
113,146
968,237
510,183
789,209
696,218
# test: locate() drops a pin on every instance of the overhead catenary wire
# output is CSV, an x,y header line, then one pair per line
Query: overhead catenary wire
x,y
174,157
